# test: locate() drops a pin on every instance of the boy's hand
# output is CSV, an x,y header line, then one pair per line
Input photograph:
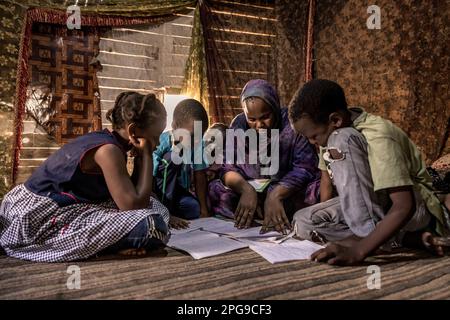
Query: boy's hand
x,y
178,223
336,254
275,216
246,208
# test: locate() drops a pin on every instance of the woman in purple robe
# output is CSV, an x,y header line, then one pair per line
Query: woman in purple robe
x,y
240,191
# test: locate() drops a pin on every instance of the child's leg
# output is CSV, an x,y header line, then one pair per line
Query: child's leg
x,y
223,200
293,204
149,234
186,205
323,220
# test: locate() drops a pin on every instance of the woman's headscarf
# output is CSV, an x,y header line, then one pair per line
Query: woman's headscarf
x,y
262,89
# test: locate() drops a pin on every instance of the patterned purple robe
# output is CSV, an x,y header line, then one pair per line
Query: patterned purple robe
x,y
297,161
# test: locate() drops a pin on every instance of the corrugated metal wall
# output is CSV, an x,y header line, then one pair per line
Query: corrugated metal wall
x,y
143,59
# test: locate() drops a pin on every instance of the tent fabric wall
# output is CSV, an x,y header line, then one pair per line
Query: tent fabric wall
x,y
115,8
239,46
255,39
195,83
400,72
292,18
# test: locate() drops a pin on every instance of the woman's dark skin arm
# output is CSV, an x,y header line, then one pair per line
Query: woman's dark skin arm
x,y
248,198
402,209
201,189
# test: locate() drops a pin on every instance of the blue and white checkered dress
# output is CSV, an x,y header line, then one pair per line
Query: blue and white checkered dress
x,y
34,227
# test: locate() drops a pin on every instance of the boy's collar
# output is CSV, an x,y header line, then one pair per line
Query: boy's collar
x,y
358,115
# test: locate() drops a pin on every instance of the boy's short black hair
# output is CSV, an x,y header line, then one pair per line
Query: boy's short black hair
x,y
190,110
317,99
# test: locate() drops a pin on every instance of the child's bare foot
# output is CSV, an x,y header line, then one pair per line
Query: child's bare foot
x,y
435,245
133,252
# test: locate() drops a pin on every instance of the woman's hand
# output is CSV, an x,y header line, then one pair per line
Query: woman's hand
x,y
246,208
178,223
337,254
274,215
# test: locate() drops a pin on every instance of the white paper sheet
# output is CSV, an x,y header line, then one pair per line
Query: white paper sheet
x,y
208,237
203,223
200,244
259,184
214,225
253,233
288,250
224,227
181,231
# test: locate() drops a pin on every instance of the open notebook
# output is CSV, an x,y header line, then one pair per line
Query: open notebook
x,y
207,237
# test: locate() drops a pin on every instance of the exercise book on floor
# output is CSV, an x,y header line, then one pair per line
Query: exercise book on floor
x,y
288,250
207,237
201,244
226,227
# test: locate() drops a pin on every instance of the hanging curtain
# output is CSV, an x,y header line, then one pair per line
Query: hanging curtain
x,y
240,43
118,8
195,83
291,47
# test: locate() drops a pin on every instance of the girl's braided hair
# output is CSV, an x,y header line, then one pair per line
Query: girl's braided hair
x,y
133,107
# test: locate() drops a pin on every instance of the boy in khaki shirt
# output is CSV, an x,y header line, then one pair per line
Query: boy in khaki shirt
x,y
385,193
